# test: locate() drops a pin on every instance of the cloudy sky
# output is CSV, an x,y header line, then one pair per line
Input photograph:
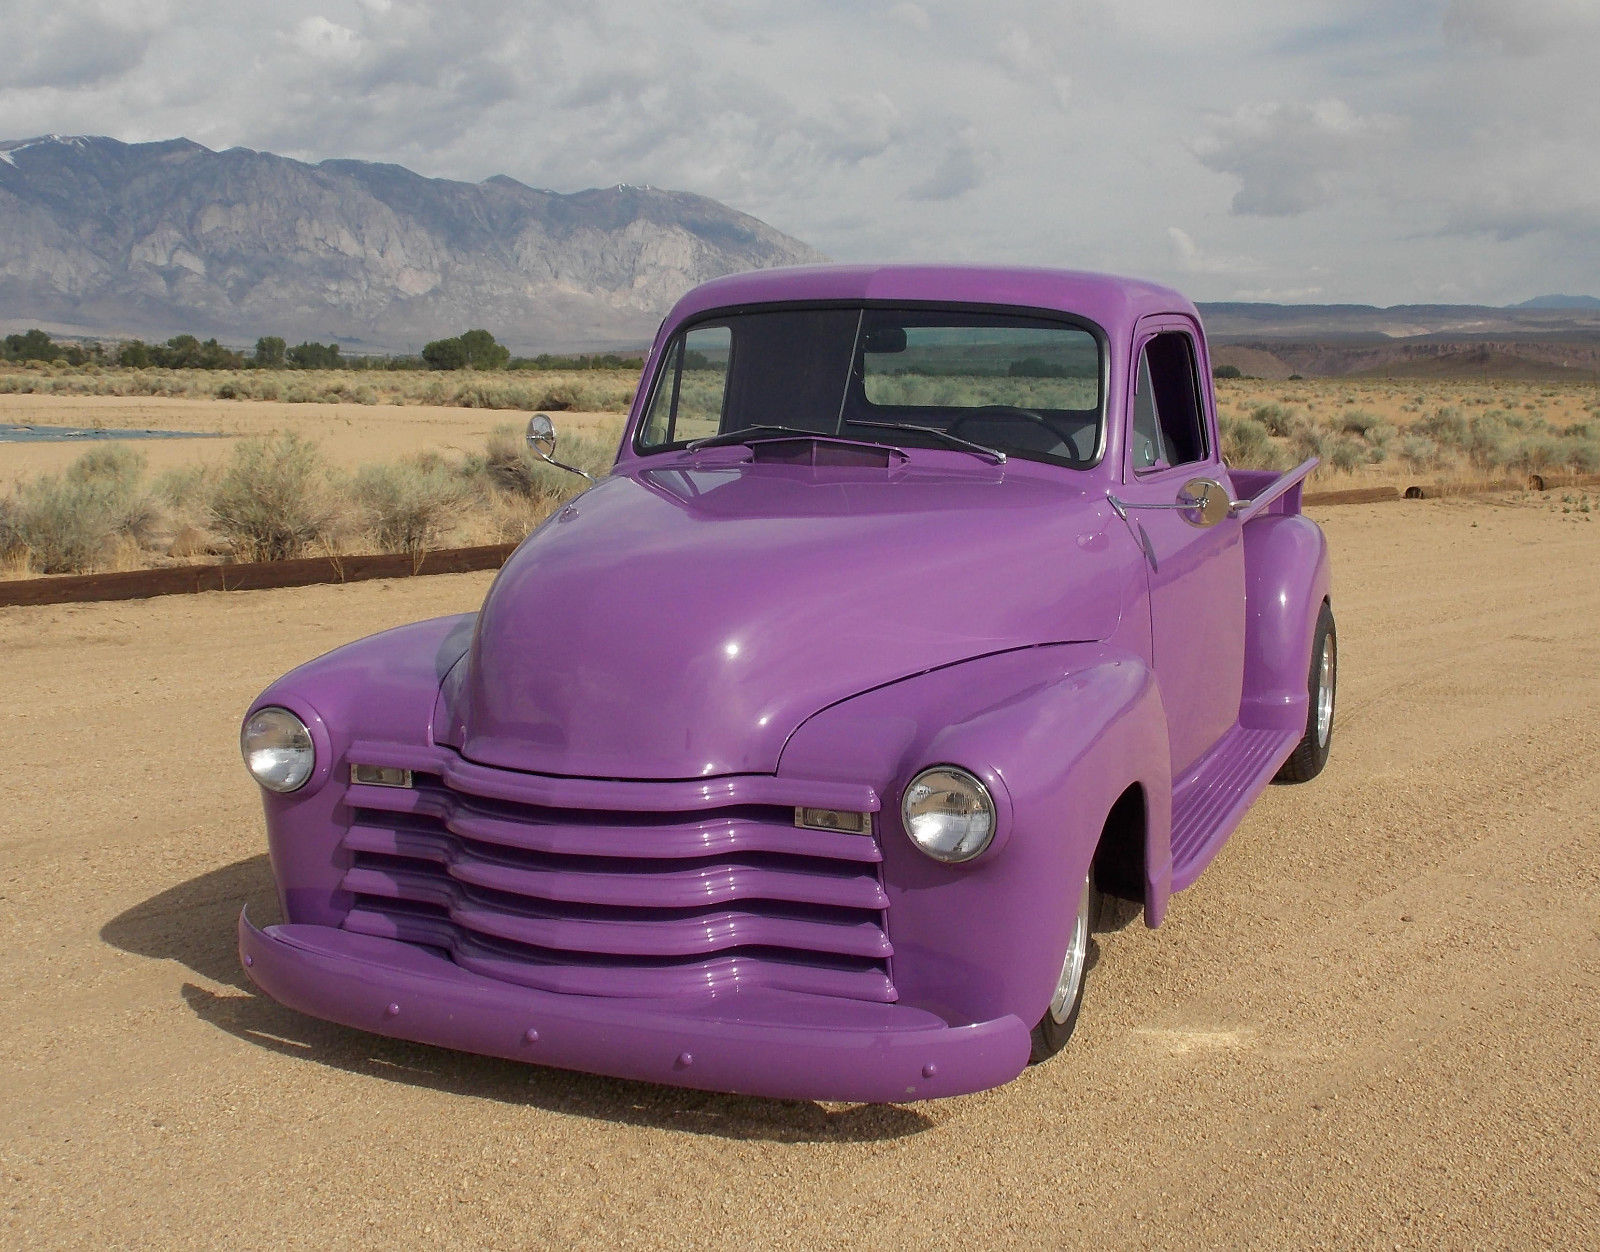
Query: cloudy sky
x,y
1414,150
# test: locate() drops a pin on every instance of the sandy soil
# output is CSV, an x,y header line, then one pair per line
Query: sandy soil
x,y
1374,1020
349,434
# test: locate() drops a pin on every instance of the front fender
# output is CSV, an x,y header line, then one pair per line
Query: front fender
x,y
1058,734
383,687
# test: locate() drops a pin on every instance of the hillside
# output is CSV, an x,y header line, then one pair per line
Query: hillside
x,y
99,237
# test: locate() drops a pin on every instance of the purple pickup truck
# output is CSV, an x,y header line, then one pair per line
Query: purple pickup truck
x,y
918,632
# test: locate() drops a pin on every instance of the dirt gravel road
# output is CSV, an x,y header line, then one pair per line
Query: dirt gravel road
x,y
1373,1022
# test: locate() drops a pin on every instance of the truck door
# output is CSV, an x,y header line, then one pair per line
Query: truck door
x,y
1196,573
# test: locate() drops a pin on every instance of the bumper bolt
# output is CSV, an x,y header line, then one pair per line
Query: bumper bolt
x,y
531,1035
249,960
929,1070
685,1059
393,1010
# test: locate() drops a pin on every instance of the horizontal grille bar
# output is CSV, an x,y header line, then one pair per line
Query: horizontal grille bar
x,y
746,829
639,884
560,972
615,932
574,885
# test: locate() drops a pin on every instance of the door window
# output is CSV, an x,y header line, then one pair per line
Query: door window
x,y
1168,418
689,392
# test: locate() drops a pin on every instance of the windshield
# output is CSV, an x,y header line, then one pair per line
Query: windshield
x,y
1024,385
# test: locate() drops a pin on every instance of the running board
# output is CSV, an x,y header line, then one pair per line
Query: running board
x,y
1212,799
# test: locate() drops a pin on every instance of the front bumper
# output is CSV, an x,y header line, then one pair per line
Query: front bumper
x,y
761,1042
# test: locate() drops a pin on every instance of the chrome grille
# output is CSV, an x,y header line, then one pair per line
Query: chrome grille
x,y
617,901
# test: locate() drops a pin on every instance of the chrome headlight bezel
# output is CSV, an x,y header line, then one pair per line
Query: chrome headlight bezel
x,y
949,813
278,749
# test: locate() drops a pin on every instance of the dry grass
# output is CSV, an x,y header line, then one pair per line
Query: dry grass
x,y
1456,432
282,493
555,391
278,498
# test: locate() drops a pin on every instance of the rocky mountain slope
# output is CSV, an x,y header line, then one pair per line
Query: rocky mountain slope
x,y
101,237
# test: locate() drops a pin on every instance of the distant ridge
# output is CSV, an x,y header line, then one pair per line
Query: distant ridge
x,y
99,237
1527,342
1560,302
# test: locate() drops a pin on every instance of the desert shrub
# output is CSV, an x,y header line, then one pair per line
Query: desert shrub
x,y
559,397
1345,453
66,523
186,491
1539,453
12,546
409,507
274,499
1582,453
1419,452
1245,441
114,463
1358,422
1306,438
1277,419
1447,427
1490,443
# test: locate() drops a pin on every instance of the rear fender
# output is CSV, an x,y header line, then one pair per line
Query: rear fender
x,y
1286,580
1057,734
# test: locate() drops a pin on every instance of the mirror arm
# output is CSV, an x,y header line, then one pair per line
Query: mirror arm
x,y
542,443
571,469
1121,507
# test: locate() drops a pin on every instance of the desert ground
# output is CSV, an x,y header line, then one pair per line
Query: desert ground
x,y
1372,1022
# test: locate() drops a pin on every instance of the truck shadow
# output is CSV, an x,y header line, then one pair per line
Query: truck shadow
x,y
194,924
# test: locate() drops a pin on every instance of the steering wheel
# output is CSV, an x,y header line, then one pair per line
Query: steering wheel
x,y
1002,410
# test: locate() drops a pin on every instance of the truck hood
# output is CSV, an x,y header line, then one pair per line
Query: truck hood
x,y
683,622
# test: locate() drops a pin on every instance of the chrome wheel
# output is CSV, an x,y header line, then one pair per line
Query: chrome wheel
x,y
1065,999
1325,680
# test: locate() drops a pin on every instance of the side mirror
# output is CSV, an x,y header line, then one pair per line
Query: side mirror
x,y
1204,501
542,435
542,440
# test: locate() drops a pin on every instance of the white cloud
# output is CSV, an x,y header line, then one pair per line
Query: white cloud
x,y
913,15
1525,28
328,41
1290,157
1398,150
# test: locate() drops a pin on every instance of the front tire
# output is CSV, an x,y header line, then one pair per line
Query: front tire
x,y
1055,1027
1311,753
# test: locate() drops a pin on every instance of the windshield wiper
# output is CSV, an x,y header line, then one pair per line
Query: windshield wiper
x,y
746,433
968,445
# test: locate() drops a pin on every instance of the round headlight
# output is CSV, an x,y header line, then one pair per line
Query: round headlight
x,y
948,813
277,749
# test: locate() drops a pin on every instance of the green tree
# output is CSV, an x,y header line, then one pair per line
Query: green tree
x,y
269,351
34,345
445,354
475,350
483,353
314,356
135,355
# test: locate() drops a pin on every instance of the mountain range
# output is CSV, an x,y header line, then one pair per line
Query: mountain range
x,y
99,237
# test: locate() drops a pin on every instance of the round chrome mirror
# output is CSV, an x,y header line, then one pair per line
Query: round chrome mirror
x,y
542,434
1208,503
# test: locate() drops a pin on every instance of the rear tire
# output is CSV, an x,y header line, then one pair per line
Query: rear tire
x,y
1311,753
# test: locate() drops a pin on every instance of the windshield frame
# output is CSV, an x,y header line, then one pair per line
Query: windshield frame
x,y
665,363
